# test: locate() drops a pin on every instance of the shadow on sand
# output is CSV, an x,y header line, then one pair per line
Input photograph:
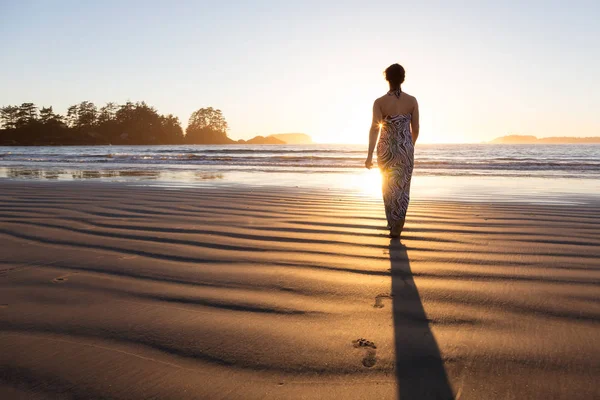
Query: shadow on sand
x,y
420,372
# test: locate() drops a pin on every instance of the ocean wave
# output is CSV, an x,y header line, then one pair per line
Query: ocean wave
x,y
438,159
308,161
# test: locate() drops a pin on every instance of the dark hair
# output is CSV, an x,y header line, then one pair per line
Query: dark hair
x,y
394,74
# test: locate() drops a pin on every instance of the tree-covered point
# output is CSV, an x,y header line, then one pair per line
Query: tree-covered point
x,y
207,126
127,124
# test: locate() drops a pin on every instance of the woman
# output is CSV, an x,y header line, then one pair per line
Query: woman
x,y
396,116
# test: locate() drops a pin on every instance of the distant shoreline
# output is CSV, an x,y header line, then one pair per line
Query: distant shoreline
x,y
526,139
161,144
235,143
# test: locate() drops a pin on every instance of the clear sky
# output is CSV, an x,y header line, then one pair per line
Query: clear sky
x,y
480,69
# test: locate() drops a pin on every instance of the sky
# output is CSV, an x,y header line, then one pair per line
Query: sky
x,y
479,69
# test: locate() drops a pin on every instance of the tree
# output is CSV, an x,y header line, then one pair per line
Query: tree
x,y
47,117
71,116
50,128
130,123
141,124
9,117
172,132
87,113
26,114
46,114
207,126
108,113
82,116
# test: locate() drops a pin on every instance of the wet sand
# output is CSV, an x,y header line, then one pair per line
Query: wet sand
x,y
114,291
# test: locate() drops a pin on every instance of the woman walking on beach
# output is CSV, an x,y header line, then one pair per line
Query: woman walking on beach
x,y
396,117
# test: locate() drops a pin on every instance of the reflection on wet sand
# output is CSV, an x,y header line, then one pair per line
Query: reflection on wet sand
x,y
207,176
29,173
106,174
93,174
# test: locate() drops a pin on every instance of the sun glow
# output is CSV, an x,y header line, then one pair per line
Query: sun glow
x,y
367,182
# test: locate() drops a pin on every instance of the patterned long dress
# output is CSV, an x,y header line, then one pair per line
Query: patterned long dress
x,y
395,158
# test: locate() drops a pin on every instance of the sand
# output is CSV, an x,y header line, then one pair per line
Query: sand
x,y
114,291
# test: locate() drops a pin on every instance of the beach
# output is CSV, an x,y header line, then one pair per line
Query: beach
x,y
112,290
192,200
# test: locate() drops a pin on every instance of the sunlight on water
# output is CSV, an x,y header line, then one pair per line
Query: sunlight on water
x,y
539,173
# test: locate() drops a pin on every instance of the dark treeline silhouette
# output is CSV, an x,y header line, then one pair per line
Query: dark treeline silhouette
x,y
126,124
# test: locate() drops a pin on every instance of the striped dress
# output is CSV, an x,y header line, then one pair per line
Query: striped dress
x,y
395,158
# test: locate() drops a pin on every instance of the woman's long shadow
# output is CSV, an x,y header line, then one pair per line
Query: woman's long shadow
x,y
420,372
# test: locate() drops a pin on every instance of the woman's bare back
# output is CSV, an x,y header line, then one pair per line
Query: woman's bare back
x,y
396,103
390,104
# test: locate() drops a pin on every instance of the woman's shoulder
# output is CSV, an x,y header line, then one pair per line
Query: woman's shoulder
x,y
380,99
410,97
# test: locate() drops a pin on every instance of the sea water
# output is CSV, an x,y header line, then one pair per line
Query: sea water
x,y
462,171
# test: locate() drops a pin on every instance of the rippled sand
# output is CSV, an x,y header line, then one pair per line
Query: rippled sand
x,y
114,291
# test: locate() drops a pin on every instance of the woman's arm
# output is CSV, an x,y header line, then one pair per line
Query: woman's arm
x,y
374,133
414,123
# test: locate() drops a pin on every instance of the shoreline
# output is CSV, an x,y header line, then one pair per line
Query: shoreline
x,y
468,189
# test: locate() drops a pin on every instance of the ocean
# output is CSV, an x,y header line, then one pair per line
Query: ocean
x,y
502,171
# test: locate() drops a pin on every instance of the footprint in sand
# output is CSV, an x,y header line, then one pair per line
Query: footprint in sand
x,y
370,358
379,299
61,279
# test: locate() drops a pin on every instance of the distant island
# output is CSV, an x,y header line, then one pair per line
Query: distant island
x,y
279,138
125,124
527,139
293,138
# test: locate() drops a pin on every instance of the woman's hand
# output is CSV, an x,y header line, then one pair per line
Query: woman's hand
x,y
369,162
